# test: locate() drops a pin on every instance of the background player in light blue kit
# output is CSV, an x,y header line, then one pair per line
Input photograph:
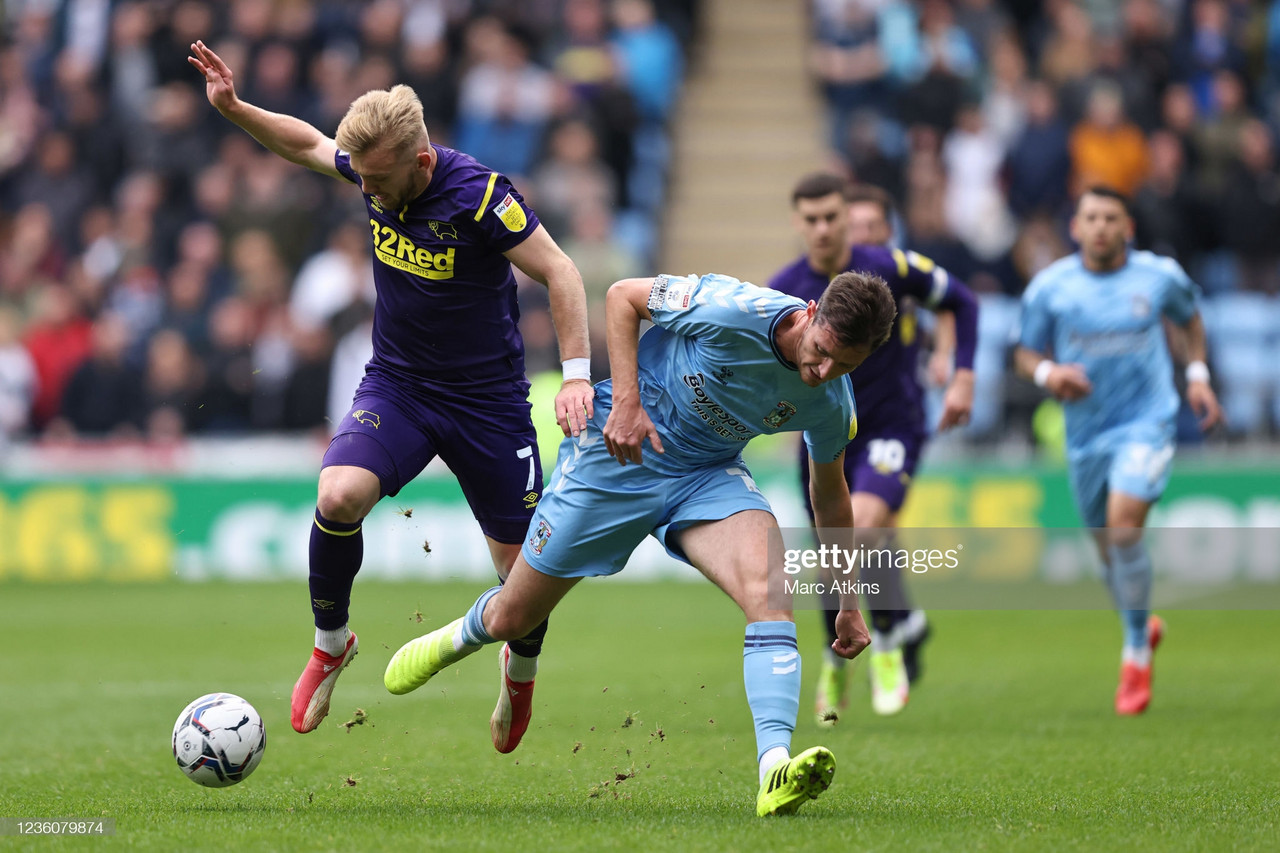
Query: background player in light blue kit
x,y
726,361
1092,335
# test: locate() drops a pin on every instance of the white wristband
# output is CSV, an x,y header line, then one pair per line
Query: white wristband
x,y
1043,369
1197,371
576,368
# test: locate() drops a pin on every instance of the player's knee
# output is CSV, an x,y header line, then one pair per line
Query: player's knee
x,y
753,597
347,499
1124,535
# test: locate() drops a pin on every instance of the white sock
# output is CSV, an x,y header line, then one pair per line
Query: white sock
x,y
519,668
771,757
830,658
883,642
912,627
1140,656
332,642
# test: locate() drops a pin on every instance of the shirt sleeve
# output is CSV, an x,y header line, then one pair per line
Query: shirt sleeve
x,y
1036,331
502,215
826,442
915,275
342,162
1181,294
713,306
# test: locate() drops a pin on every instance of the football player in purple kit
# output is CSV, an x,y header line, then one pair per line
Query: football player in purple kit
x,y
447,374
880,462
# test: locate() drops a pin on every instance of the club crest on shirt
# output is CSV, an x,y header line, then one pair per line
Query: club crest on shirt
x,y
511,213
442,230
780,415
540,536
367,418
1141,306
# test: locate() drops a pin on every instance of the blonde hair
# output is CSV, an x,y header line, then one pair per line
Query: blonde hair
x,y
391,118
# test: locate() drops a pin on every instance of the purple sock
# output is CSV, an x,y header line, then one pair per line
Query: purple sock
x,y
336,551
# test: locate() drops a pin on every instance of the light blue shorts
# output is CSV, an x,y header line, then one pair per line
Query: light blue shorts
x,y
594,512
1135,461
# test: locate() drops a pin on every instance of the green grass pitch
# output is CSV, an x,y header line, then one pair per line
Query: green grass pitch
x,y
641,736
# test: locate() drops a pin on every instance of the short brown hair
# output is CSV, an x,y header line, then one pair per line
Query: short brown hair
x,y
390,117
819,185
859,308
1103,191
871,194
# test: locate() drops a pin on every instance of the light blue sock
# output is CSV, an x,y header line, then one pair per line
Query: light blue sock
x,y
473,632
771,670
1130,579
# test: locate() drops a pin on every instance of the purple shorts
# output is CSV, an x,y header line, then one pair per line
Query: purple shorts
x,y
486,439
879,461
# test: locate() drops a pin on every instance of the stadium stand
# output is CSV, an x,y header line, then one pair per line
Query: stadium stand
x,y
235,287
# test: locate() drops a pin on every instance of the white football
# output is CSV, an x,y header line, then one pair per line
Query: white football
x,y
218,740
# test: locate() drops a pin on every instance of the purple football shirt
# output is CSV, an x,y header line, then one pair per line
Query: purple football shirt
x,y
446,316
887,385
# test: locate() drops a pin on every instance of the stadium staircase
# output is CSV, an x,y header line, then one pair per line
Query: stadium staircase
x,y
749,124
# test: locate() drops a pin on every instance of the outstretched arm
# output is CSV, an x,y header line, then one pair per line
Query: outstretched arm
x,y
542,260
291,138
833,515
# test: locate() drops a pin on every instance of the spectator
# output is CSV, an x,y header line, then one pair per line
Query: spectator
x,y
940,72
306,390
1107,148
1250,210
104,395
847,60
1167,208
1004,106
333,279
59,339
229,365
866,156
571,177
1217,137
58,181
649,58
172,387
1039,161
1206,48
976,209
504,101
1067,54
585,60
34,254
17,379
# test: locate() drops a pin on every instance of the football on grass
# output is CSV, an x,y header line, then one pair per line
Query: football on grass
x,y
218,740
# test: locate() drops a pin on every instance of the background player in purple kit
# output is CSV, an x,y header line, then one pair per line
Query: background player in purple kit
x,y
447,374
880,462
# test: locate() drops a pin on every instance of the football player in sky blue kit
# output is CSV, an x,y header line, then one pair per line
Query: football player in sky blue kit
x,y
1093,336
725,362
880,462
447,374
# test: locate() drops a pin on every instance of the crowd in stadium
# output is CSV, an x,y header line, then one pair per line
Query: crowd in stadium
x,y
162,275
